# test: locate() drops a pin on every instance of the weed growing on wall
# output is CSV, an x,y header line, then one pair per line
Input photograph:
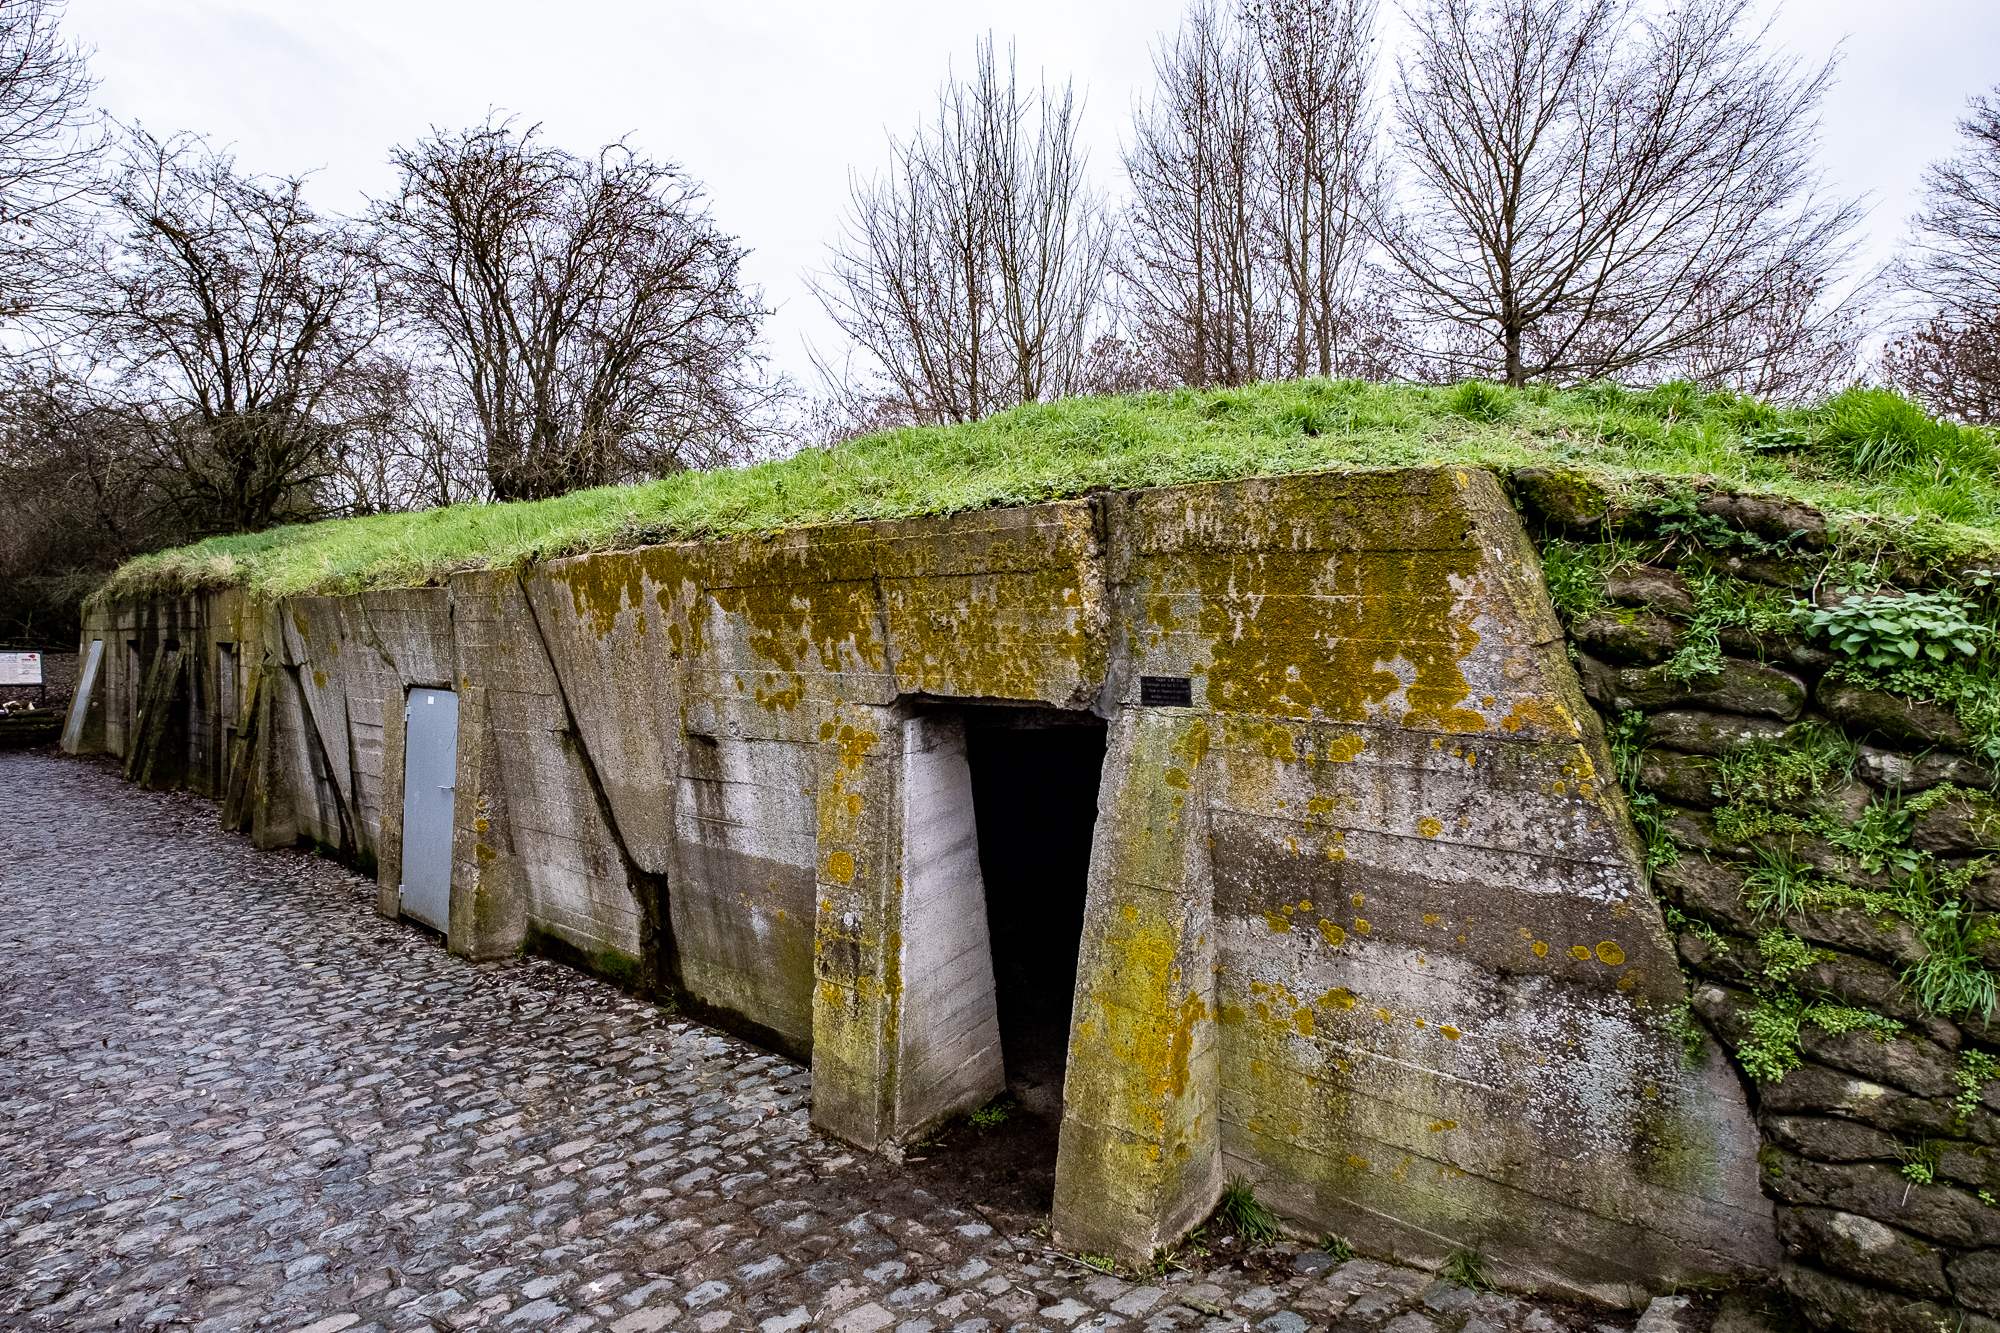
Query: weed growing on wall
x,y
1781,884
1468,1269
1975,1070
1785,953
1971,690
1951,978
1627,737
1809,762
1920,1160
1879,838
1772,1048
1575,573
1683,924
1686,1026
1725,603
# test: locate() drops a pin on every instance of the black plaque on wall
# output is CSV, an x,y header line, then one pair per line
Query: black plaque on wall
x,y
1166,692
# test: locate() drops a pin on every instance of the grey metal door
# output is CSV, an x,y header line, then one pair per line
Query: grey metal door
x,y
430,768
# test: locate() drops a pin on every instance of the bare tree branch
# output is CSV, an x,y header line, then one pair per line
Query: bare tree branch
x,y
232,313
1325,172
50,141
971,273
591,314
1955,252
1593,191
1197,266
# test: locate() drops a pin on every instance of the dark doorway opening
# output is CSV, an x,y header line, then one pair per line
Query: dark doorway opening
x,y
1034,793
1034,797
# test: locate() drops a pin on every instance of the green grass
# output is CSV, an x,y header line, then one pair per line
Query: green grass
x,y
1250,1219
1625,438
1468,1269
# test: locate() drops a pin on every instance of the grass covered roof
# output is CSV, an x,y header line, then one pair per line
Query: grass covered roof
x,y
1872,462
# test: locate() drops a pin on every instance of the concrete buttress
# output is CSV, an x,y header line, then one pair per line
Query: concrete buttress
x,y
1140,1156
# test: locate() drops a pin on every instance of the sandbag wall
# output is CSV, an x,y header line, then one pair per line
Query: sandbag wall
x,y
1366,921
1819,843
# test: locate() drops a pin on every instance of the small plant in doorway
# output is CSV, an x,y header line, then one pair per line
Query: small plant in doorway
x,y
1336,1247
1249,1219
992,1115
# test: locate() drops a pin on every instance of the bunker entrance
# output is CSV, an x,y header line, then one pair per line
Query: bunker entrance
x,y
1034,794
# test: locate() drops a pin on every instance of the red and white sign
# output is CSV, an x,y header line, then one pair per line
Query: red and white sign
x,y
20,668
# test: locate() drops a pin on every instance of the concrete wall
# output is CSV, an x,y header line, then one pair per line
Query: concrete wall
x,y
1364,922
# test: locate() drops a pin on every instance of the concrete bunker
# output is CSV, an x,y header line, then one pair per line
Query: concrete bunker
x,y
1362,921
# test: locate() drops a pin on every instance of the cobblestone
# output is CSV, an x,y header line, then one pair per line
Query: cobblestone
x,y
233,1098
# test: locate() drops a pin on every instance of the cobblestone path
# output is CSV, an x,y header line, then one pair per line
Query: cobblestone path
x,y
233,1097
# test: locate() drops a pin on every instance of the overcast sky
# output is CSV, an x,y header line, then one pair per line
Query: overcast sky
x,y
770,102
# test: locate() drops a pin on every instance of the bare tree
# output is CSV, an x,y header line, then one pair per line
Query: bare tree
x,y
1195,266
408,442
1949,355
233,314
1955,251
49,144
972,271
1801,342
77,496
592,316
1591,190
1325,177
